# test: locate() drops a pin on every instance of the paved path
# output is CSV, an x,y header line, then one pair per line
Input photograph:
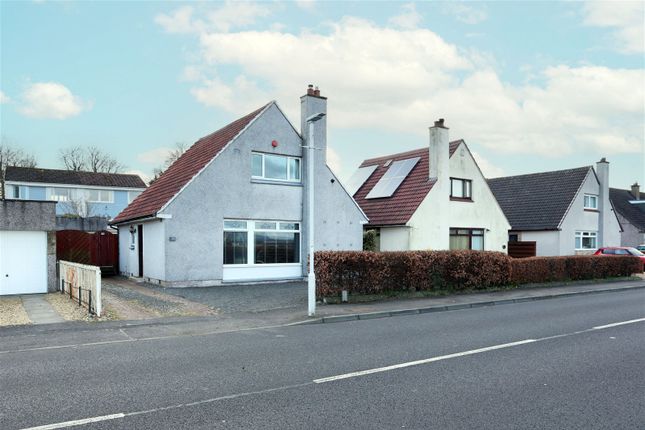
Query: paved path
x,y
39,310
573,362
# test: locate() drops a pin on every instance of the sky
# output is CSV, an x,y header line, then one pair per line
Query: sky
x,y
530,86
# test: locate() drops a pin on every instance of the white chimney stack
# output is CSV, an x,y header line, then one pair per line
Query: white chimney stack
x,y
636,191
439,152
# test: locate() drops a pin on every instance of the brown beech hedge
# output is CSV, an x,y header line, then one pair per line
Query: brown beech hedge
x,y
366,272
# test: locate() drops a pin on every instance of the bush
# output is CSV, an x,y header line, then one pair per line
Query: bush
x,y
572,268
366,272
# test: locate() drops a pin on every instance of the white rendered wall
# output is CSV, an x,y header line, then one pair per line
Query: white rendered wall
x,y
154,243
394,239
547,242
431,223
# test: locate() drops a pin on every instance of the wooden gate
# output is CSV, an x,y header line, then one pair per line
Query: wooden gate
x,y
521,249
96,249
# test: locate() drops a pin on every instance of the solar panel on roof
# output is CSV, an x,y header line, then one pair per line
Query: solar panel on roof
x,y
392,179
358,178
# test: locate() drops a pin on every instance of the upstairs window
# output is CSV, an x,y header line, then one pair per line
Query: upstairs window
x,y
591,201
461,188
60,194
275,167
14,192
100,196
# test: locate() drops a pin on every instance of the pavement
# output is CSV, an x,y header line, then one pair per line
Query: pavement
x,y
39,310
570,362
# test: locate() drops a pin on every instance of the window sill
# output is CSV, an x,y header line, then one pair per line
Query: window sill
x,y
591,210
276,182
460,199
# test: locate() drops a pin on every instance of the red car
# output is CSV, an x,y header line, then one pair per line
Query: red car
x,y
621,250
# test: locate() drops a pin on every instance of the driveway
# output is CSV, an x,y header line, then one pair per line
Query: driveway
x,y
245,298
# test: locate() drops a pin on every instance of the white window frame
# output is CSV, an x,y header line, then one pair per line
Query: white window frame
x,y
289,172
49,193
11,190
590,197
110,195
251,229
581,235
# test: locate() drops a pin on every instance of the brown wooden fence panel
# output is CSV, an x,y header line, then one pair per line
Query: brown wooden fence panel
x,y
521,249
95,249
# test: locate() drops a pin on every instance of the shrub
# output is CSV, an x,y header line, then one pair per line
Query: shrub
x,y
369,240
367,272
572,268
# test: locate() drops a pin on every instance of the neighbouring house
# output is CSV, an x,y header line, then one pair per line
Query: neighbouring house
x,y
564,212
630,209
233,207
27,247
85,200
431,198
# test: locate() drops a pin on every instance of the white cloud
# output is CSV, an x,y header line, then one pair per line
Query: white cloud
x,y
464,13
4,98
231,14
627,18
155,156
408,19
306,4
382,78
51,100
490,170
145,176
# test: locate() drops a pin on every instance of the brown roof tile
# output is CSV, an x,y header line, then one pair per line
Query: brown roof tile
x,y
398,208
184,169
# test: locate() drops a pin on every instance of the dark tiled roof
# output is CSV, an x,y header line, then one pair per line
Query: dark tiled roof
x,y
53,176
184,169
398,208
537,201
620,199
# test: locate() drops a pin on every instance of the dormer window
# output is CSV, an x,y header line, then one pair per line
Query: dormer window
x,y
275,167
461,189
591,202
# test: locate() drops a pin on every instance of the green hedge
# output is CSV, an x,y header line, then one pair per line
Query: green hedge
x,y
365,272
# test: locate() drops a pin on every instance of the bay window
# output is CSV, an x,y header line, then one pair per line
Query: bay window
x,y
261,242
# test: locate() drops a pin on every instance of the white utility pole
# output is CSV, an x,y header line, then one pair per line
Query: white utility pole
x,y
311,278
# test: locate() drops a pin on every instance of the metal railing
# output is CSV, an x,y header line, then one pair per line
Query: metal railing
x,y
82,283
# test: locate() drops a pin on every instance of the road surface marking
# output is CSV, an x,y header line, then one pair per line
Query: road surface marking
x,y
600,327
419,362
465,353
319,381
77,422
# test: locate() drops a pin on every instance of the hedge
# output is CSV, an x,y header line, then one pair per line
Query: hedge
x,y
366,272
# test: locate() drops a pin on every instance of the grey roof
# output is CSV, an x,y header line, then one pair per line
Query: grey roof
x,y
538,201
620,200
53,176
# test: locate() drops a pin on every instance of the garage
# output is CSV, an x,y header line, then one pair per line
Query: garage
x,y
27,247
23,262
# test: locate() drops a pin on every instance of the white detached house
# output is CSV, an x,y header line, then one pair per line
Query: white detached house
x,y
231,208
433,198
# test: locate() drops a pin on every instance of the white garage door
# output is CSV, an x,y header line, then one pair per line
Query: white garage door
x,y
23,262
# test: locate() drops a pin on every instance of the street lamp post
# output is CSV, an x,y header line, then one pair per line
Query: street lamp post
x,y
311,278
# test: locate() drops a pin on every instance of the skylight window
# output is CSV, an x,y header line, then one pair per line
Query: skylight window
x,y
393,178
358,178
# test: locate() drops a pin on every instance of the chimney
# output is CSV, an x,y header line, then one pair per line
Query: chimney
x,y
604,207
636,191
439,152
311,104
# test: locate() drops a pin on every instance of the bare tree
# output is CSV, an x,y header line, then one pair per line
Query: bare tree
x,y
91,159
173,155
73,158
11,156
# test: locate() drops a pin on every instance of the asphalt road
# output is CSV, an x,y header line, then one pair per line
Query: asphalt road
x,y
528,365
